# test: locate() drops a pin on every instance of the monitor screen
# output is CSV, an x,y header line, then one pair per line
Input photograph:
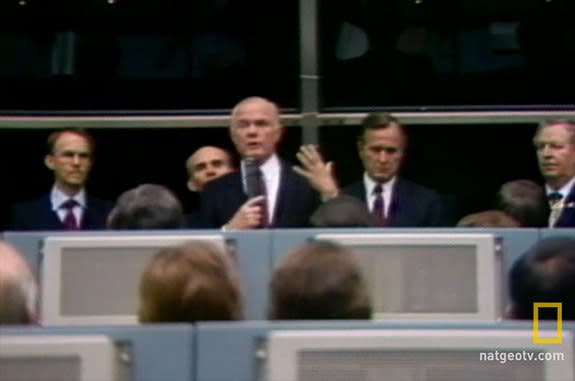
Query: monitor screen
x,y
429,276
417,355
62,358
95,279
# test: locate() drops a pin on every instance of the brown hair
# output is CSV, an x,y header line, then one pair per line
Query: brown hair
x,y
319,280
189,283
488,219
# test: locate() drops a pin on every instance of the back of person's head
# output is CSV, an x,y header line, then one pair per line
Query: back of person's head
x,y
319,280
189,283
18,288
148,206
488,219
525,201
544,274
343,211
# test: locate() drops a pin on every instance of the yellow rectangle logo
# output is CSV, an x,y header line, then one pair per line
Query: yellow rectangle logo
x,y
552,340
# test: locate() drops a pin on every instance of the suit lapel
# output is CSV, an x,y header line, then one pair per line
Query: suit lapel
x,y
285,194
399,198
357,190
567,217
49,218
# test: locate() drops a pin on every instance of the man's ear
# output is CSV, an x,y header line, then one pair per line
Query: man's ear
x,y
48,161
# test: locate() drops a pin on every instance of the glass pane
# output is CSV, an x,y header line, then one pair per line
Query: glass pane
x,y
447,53
143,54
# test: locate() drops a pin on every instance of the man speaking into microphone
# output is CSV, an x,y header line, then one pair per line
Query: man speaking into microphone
x,y
265,192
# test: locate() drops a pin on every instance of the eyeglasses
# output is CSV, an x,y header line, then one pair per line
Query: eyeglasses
x,y
69,155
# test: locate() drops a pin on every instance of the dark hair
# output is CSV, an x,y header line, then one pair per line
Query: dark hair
x,y
377,121
319,280
54,136
343,211
488,219
148,206
189,283
545,273
525,201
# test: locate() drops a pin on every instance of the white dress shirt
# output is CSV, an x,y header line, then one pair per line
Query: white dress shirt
x,y
387,192
57,198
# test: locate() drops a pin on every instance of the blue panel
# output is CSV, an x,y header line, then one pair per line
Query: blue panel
x,y
515,242
569,232
254,250
160,352
230,351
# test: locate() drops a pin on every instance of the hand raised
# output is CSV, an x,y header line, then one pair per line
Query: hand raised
x,y
317,171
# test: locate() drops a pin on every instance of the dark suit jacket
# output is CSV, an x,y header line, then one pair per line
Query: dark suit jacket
x,y
38,215
412,205
567,217
295,203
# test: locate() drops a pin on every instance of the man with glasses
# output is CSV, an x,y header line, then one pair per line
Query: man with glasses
x,y
67,206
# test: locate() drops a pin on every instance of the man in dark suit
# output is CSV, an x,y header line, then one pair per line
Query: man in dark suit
x,y
289,200
395,201
554,143
205,164
67,206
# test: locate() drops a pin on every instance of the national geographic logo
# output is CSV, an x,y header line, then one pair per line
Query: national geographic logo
x,y
547,340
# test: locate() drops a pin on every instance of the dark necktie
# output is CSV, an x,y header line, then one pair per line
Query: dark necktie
x,y
379,206
555,206
70,219
255,186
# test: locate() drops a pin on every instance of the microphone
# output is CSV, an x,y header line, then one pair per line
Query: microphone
x,y
253,178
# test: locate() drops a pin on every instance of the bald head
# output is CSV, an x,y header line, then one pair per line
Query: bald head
x,y
206,164
18,288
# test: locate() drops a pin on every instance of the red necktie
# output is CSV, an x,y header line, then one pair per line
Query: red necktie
x,y
70,219
379,206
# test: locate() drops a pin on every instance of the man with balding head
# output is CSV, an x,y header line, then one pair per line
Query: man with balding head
x,y
278,197
18,288
554,144
205,164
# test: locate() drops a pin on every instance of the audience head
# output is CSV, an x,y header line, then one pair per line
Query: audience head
x,y
70,156
319,280
343,211
189,283
205,164
525,201
18,288
488,219
256,128
554,143
148,206
545,273
381,146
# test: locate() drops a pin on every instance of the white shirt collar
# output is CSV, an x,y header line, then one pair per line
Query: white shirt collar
x,y
370,184
57,198
564,190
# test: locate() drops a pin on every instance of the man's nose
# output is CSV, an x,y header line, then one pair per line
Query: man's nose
x,y
382,156
76,159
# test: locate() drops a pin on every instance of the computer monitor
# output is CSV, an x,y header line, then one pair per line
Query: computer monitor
x,y
62,358
95,279
417,355
429,275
